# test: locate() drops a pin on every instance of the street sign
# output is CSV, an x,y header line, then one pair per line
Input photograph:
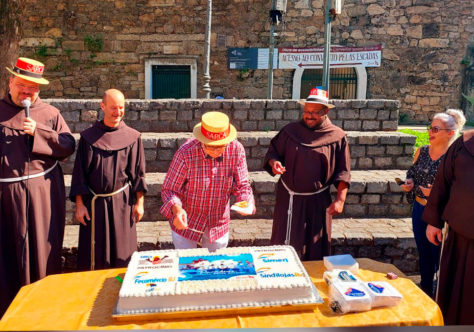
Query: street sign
x,y
249,58
341,56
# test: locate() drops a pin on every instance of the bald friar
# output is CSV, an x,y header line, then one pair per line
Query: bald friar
x,y
108,187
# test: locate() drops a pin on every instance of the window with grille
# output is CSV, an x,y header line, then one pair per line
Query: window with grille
x,y
342,82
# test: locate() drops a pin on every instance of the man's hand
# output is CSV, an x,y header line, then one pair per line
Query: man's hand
x,y
29,126
335,208
276,166
408,186
434,235
180,217
138,210
426,190
81,213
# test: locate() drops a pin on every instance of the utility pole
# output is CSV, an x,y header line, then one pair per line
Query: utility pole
x,y
331,9
207,51
327,45
270,54
276,16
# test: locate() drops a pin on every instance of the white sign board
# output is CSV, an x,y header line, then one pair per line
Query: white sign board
x,y
340,56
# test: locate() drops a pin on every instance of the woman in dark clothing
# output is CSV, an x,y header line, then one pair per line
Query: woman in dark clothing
x,y
420,176
452,202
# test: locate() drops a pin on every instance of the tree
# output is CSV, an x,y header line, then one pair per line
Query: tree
x,y
11,19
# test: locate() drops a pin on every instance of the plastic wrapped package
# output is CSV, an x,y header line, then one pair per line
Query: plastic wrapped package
x,y
339,275
349,297
382,293
341,262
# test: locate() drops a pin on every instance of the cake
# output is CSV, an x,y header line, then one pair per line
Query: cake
x,y
196,280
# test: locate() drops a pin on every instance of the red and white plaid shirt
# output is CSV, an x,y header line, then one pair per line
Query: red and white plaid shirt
x,y
202,186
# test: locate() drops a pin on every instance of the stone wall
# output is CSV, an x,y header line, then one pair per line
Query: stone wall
x,y
390,242
171,115
423,42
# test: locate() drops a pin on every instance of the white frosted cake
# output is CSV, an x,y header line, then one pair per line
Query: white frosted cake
x,y
194,279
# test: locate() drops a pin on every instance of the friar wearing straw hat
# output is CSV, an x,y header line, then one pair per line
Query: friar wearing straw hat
x,y
310,155
33,138
108,186
203,174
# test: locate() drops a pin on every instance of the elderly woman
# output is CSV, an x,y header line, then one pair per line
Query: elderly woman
x,y
420,176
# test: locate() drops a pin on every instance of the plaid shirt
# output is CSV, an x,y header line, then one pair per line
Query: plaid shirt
x,y
202,186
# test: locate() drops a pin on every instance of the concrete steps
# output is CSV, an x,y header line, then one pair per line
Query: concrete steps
x,y
384,239
369,150
372,193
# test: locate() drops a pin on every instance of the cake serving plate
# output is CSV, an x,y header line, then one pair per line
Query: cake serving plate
x,y
249,308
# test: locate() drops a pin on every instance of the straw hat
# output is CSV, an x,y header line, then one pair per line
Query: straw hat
x,y
318,96
30,70
215,129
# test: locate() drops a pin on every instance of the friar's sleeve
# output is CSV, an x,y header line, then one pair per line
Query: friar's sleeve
x,y
136,167
57,142
276,151
79,183
342,169
440,191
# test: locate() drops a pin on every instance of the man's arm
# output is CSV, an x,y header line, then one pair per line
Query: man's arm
x,y
337,205
241,184
173,185
57,142
81,211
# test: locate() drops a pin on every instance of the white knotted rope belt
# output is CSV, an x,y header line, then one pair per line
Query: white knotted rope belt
x,y
290,207
93,218
31,176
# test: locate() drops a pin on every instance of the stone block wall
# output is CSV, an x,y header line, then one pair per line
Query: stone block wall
x,y
423,42
370,194
181,115
390,242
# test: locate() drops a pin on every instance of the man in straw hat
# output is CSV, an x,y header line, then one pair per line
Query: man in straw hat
x,y
33,138
310,155
108,187
203,174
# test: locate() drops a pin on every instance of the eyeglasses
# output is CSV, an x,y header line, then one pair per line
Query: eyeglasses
x,y
436,129
27,87
319,113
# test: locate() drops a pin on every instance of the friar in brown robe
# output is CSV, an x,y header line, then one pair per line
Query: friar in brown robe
x,y
310,155
110,158
32,192
451,201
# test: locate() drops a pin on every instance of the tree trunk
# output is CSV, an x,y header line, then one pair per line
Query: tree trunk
x,y
11,18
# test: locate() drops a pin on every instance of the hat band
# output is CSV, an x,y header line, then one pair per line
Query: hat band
x,y
215,136
26,73
321,100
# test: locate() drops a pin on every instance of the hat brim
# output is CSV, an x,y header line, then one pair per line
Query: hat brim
x,y
28,78
201,138
303,101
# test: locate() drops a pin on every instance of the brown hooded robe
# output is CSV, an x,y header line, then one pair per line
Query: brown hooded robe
x,y
313,159
451,200
30,251
107,158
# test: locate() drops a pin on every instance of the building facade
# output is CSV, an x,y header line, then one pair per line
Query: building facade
x,y
155,48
